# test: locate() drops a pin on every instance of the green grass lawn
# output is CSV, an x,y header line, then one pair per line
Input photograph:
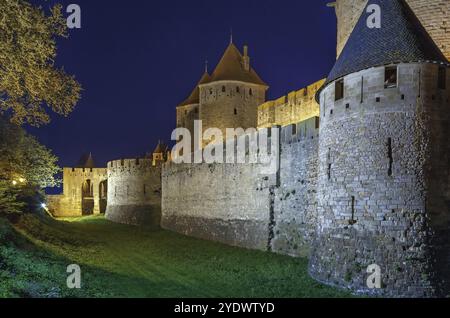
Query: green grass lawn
x,y
123,261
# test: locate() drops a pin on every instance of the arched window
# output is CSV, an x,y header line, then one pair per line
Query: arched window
x,y
223,89
250,91
238,89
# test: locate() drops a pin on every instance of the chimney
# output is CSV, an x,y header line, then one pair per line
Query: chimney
x,y
246,59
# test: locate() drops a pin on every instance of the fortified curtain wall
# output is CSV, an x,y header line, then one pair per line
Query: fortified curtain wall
x,y
242,205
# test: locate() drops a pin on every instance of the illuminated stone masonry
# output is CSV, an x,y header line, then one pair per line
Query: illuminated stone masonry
x,y
364,175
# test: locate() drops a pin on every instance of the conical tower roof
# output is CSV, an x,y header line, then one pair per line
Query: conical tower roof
x,y
86,161
401,39
231,68
194,98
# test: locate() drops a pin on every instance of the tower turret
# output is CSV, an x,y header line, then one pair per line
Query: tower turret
x,y
383,161
231,97
159,155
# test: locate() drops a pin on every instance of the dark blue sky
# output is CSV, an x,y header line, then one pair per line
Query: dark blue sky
x,y
137,59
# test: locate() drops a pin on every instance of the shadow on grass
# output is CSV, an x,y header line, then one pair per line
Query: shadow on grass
x,y
124,261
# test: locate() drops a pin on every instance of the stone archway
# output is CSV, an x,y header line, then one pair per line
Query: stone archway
x,y
87,198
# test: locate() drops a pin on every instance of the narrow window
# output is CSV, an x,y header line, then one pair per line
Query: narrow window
x,y
317,122
339,90
210,91
235,111
362,89
294,129
390,77
442,78
196,110
250,92
137,161
122,162
223,89
420,83
145,189
353,221
389,154
329,171
238,89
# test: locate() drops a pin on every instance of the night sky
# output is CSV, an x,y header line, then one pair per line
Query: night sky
x,y
136,60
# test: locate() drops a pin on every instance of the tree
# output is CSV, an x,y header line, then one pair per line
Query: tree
x,y
26,166
30,83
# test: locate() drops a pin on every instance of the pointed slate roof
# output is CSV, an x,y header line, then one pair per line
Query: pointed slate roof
x,y
86,161
231,68
401,39
194,98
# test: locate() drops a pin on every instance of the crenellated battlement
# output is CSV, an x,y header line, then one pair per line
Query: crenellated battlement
x,y
292,108
84,172
131,166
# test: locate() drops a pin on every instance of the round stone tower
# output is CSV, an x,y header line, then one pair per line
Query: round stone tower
x,y
134,192
433,14
233,93
384,181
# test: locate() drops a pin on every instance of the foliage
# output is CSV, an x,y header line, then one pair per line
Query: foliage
x,y
25,167
29,79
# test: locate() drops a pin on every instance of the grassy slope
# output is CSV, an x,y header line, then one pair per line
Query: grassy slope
x,y
123,261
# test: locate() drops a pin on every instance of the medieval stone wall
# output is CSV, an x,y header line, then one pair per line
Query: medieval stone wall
x,y
434,15
295,203
134,192
230,104
186,115
242,205
229,203
293,108
380,198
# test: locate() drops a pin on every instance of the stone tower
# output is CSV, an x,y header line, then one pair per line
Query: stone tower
x,y
231,97
384,181
159,155
433,14
85,190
